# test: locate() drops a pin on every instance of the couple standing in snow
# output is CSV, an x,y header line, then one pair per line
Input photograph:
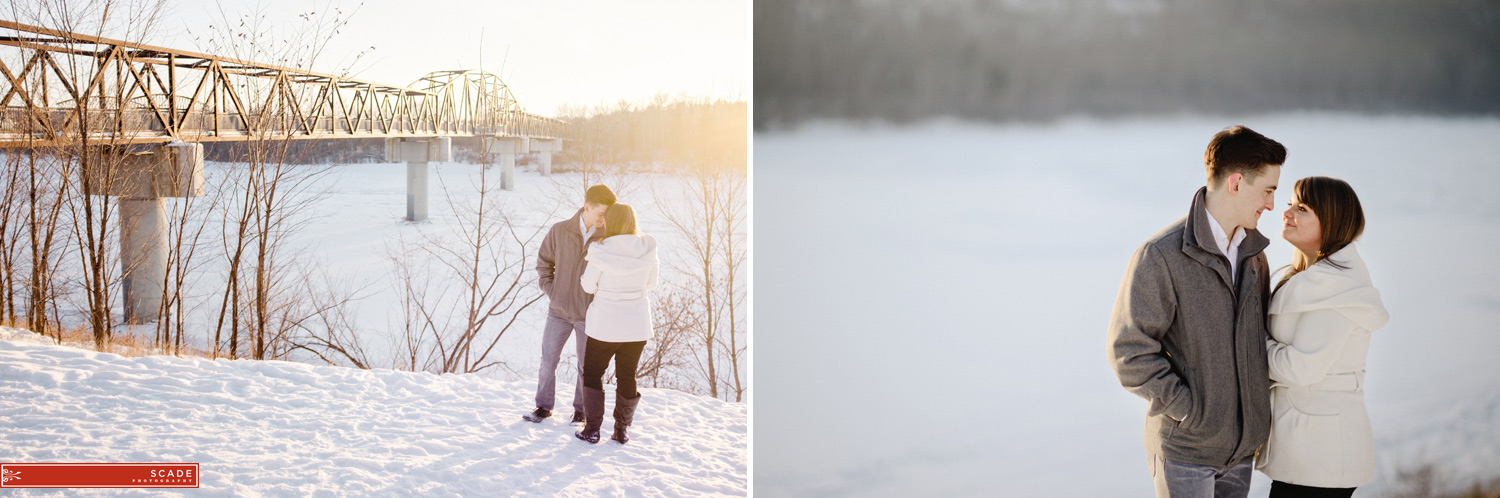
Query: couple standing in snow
x,y
596,268
1242,369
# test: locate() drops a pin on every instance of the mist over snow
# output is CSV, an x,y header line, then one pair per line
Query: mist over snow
x,y
931,299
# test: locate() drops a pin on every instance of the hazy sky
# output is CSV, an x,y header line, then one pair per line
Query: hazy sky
x,y
553,52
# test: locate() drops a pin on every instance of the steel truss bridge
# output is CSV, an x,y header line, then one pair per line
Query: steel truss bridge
x,y
70,87
96,98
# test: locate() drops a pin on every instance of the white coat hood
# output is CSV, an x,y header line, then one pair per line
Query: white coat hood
x,y
624,254
1323,286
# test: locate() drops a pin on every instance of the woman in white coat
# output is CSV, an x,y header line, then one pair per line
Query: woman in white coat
x,y
621,273
1321,315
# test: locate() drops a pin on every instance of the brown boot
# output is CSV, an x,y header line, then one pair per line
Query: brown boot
x,y
624,414
593,415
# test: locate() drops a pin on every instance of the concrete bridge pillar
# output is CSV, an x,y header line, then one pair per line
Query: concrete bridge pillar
x,y
417,152
144,247
505,150
544,149
143,181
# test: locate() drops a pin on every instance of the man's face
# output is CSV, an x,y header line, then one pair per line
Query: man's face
x,y
593,214
1254,195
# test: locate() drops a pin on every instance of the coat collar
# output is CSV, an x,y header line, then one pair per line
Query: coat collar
x,y
1325,286
1198,240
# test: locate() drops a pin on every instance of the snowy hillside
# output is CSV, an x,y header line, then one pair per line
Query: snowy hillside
x,y
277,428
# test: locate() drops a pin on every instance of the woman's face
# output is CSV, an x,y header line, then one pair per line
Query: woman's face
x,y
1299,226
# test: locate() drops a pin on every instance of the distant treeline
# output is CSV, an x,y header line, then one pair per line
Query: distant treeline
x,y
1015,60
680,131
340,151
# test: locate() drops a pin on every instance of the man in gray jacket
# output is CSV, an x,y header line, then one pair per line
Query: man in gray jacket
x,y
1188,331
559,268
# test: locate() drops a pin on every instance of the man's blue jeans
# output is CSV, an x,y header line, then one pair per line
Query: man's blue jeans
x,y
1186,480
554,337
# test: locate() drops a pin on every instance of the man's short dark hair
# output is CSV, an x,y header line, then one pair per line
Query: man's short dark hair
x,y
1241,150
599,194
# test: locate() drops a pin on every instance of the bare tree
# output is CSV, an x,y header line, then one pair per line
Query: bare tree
x,y
90,213
328,328
273,198
485,261
38,180
186,223
9,185
675,325
235,247
732,213
416,308
10,234
46,193
489,260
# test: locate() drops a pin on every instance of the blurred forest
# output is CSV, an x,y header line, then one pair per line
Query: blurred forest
x,y
632,134
1022,60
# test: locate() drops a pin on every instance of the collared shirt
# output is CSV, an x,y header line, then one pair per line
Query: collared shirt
x,y
1230,248
587,230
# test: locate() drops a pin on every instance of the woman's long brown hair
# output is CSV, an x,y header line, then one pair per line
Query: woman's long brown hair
x,y
1342,220
619,219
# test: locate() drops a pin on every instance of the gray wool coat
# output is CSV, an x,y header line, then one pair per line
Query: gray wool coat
x,y
1194,345
560,264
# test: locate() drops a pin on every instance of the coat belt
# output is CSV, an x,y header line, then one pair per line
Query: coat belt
x,y
620,295
1349,381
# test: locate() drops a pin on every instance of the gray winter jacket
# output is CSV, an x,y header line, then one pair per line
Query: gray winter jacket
x,y
1193,345
559,265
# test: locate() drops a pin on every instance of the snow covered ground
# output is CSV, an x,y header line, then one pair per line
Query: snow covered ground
x,y
276,428
931,300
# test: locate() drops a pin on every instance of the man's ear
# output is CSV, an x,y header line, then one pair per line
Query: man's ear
x,y
1233,182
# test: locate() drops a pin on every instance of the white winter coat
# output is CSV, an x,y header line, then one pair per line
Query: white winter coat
x,y
1320,327
621,274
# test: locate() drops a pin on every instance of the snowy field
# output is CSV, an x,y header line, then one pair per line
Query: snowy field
x,y
278,428
931,300
357,223
353,231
